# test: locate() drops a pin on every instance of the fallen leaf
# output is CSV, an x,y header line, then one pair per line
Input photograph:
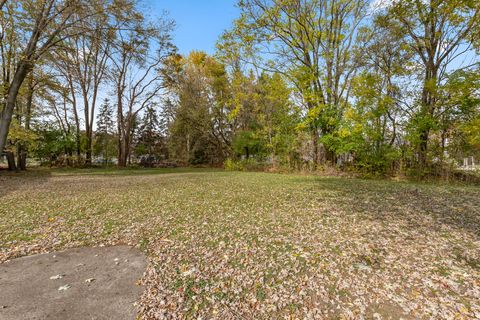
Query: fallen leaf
x,y
64,288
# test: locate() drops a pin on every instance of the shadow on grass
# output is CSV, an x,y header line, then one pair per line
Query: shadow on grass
x,y
11,181
425,206
113,171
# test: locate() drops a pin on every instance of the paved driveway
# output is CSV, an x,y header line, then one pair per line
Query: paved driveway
x,y
80,283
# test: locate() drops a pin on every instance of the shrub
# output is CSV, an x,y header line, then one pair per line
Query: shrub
x,y
250,164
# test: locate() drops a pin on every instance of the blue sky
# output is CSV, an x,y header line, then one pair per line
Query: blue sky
x,y
199,22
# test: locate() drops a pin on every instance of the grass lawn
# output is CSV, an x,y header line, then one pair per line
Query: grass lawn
x,y
232,245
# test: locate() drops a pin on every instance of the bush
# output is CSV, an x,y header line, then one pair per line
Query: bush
x,y
250,164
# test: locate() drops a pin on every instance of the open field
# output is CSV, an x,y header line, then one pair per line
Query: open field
x,y
231,245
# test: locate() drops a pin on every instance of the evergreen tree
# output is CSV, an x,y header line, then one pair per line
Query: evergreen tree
x,y
105,121
150,139
105,145
149,131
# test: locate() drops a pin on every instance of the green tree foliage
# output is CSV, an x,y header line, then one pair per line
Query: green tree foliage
x,y
52,145
105,140
151,141
458,128
312,44
266,121
438,32
198,133
380,87
219,114
367,134
44,25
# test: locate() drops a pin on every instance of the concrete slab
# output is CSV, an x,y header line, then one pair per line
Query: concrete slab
x,y
81,283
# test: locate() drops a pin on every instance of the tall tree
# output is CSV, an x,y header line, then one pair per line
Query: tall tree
x,y
44,24
66,72
310,42
439,32
9,49
87,58
139,52
373,124
150,139
105,131
198,131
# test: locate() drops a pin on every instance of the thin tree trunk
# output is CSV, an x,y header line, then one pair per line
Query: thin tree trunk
x,y
88,132
75,117
120,129
315,145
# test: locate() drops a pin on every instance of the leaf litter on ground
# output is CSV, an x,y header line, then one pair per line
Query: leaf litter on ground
x,y
228,245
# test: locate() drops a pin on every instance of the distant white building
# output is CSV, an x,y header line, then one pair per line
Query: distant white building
x,y
470,163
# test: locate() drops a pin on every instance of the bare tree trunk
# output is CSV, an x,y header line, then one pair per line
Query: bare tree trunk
x,y
427,112
88,131
46,15
315,146
120,128
11,161
7,113
21,157
75,116
123,151
21,148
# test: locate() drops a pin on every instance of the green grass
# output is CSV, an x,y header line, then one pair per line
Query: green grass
x,y
232,245
101,171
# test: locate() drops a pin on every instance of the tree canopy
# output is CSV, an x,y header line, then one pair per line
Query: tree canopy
x,y
381,87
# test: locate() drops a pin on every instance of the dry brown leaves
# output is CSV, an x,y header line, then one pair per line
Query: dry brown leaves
x,y
264,246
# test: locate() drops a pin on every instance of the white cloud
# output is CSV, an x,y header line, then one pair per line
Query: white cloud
x,y
377,5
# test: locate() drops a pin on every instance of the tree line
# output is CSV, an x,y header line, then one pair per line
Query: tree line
x,y
376,86
59,58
